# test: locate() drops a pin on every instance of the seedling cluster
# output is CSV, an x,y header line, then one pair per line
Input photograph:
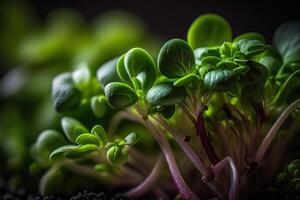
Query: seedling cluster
x,y
213,105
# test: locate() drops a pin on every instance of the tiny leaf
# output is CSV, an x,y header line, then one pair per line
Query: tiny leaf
x,y
100,132
80,150
165,94
99,105
87,138
59,152
120,95
72,128
117,155
132,139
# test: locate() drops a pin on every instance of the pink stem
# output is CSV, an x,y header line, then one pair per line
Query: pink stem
x,y
233,190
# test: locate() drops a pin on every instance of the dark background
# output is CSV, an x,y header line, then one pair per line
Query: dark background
x,y
172,18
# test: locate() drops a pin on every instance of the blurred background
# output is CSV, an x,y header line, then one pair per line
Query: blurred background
x,y
41,38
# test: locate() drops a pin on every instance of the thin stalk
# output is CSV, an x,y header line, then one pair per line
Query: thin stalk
x,y
201,131
180,184
146,185
197,162
234,185
269,137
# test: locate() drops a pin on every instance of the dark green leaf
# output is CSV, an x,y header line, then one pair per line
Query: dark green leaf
x,y
219,79
186,80
165,94
122,70
107,72
117,155
65,95
250,48
100,132
271,59
72,128
201,53
120,95
209,30
287,42
131,139
176,59
87,138
139,64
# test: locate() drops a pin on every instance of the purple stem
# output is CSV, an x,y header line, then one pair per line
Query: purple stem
x,y
146,185
233,190
201,131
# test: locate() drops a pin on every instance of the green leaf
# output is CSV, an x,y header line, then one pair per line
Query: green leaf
x,y
186,80
271,59
165,94
51,182
131,139
209,30
121,70
250,36
87,138
46,142
72,128
219,79
201,53
120,95
250,48
65,95
117,155
100,132
80,151
81,77
59,152
99,105
107,72
140,65
167,111
176,59
227,50
287,42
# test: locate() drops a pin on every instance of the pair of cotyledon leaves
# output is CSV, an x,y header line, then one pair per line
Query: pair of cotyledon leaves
x,y
52,145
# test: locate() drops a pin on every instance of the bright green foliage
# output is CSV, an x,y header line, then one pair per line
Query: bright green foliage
x,y
87,138
209,30
117,155
100,133
131,139
72,128
99,105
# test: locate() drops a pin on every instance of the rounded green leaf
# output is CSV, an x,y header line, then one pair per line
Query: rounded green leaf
x,y
72,128
131,139
186,80
271,60
117,155
65,95
121,70
209,30
59,152
99,105
87,138
46,142
250,48
250,36
287,42
165,94
219,79
51,182
120,95
176,59
80,151
100,132
107,72
140,65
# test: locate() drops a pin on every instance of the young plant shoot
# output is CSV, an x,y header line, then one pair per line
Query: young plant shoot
x,y
214,106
